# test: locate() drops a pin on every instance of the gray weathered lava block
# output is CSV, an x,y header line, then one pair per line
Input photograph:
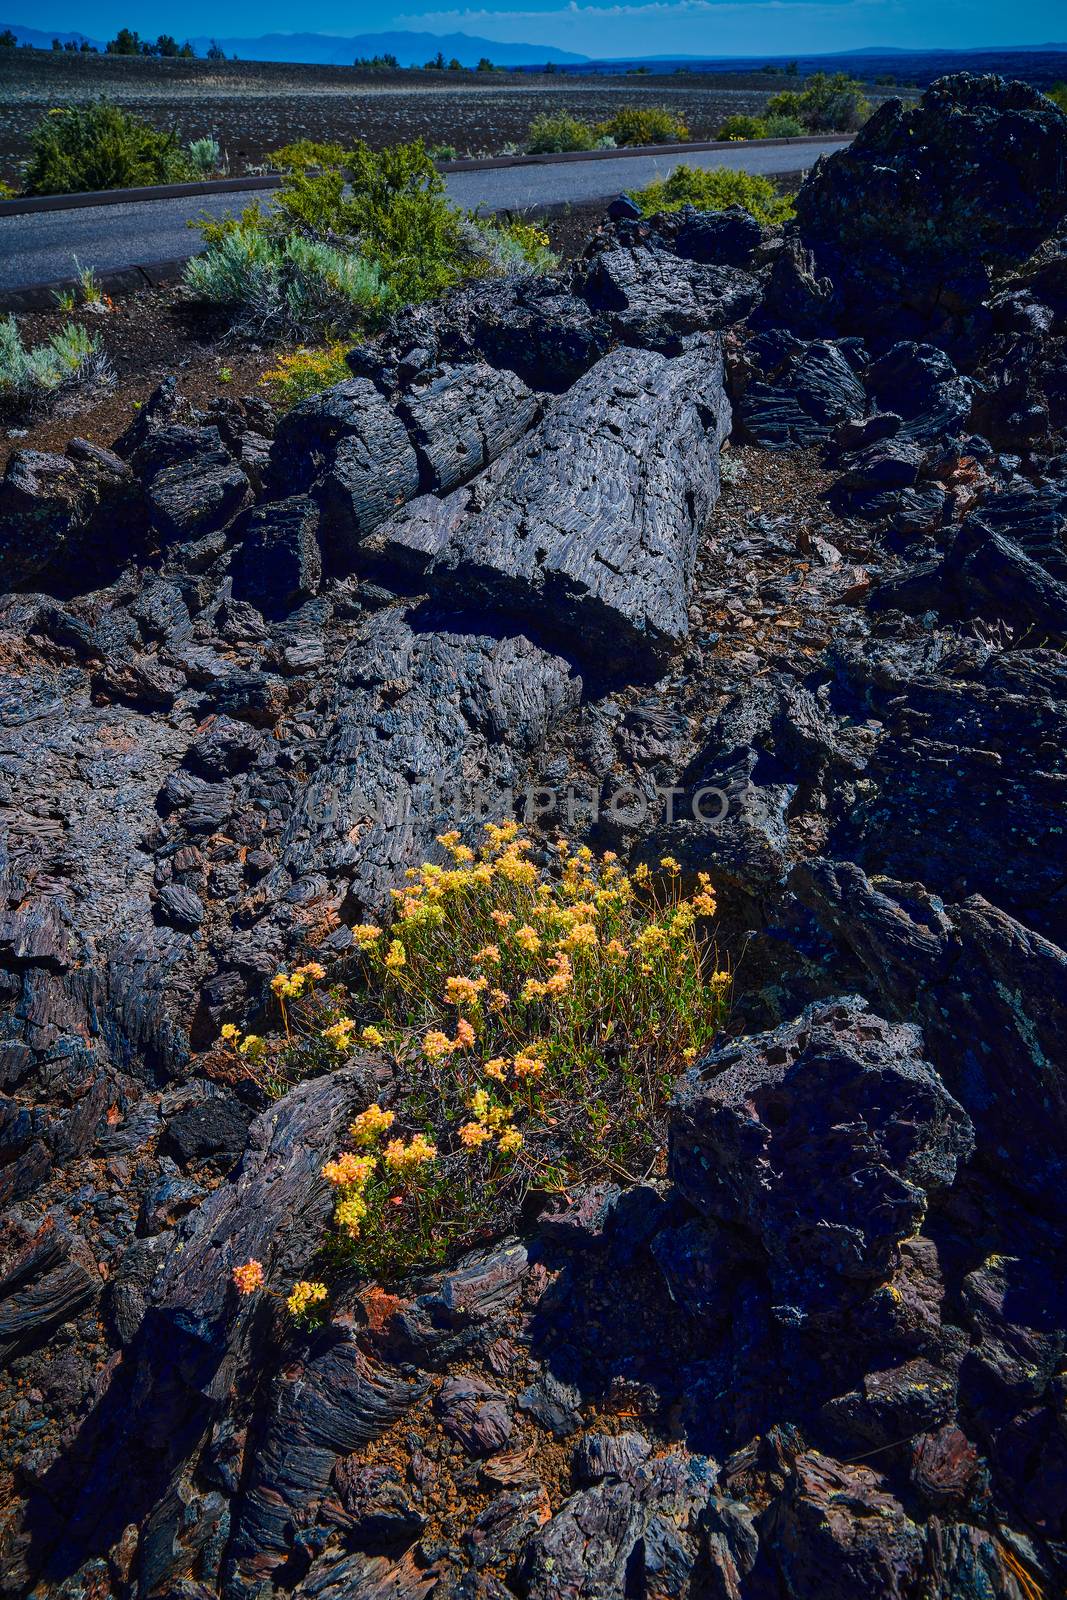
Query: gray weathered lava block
x,y
590,524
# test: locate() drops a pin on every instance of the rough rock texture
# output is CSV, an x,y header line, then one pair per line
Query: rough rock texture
x,y
591,526
819,1348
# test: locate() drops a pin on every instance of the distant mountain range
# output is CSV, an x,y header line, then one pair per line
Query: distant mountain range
x,y
323,49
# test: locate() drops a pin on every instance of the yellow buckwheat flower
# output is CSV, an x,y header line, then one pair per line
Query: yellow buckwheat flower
x,y
230,1031
304,1294
369,1124
496,1068
249,1277
436,1045
528,1066
464,991
402,1158
349,1213
349,1171
252,1045
365,934
339,1034
464,1035
396,957
472,1134
502,918
533,989
498,1000
488,955
669,864
510,1141
312,970
528,939
373,1036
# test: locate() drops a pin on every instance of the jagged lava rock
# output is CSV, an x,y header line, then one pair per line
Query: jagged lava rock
x,y
590,525
975,172
822,1138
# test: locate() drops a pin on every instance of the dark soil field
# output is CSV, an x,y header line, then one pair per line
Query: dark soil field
x,y
252,107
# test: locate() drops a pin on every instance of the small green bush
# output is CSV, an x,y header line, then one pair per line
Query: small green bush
x,y
742,127
339,247
644,125
99,146
304,153
289,287
205,157
552,133
1059,95
783,127
827,103
31,379
713,190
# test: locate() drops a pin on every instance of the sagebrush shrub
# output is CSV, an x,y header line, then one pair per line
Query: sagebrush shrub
x,y
100,146
713,189
288,286
535,1020
826,104
32,379
204,157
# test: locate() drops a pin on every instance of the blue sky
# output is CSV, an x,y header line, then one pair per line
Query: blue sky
x,y
606,27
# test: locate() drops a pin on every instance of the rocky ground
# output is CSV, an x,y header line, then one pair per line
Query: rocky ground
x,y
778,519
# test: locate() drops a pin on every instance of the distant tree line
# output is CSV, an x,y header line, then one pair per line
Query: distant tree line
x,y
437,63
127,42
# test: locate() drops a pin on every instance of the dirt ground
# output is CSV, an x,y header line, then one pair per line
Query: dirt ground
x,y
252,107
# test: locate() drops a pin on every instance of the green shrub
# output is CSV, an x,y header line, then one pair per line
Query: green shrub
x,y
290,287
713,190
1059,95
339,247
100,146
742,127
779,127
31,379
644,125
441,152
303,153
554,132
826,104
205,157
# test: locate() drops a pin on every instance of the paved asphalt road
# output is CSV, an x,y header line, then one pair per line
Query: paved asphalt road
x,y
43,246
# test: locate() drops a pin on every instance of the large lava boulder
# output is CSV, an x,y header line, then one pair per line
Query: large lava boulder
x,y
975,173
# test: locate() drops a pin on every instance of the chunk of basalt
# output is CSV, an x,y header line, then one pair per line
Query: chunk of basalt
x,y
759,1139
278,564
800,394
650,1521
836,1530
199,486
223,747
966,1560
421,723
457,1312
1017,1313
653,297
920,384
506,1523
989,995
213,1130
64,518
321,1409
462,419
371,1504
197,1338
892,1405
606,1455
404,548
589,527
475,1414
727,238
944,1466
976,172
48,1284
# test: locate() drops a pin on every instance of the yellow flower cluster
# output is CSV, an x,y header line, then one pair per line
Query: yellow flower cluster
x,y
303,1295
287,985
489,1120
406,1158
369,1125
